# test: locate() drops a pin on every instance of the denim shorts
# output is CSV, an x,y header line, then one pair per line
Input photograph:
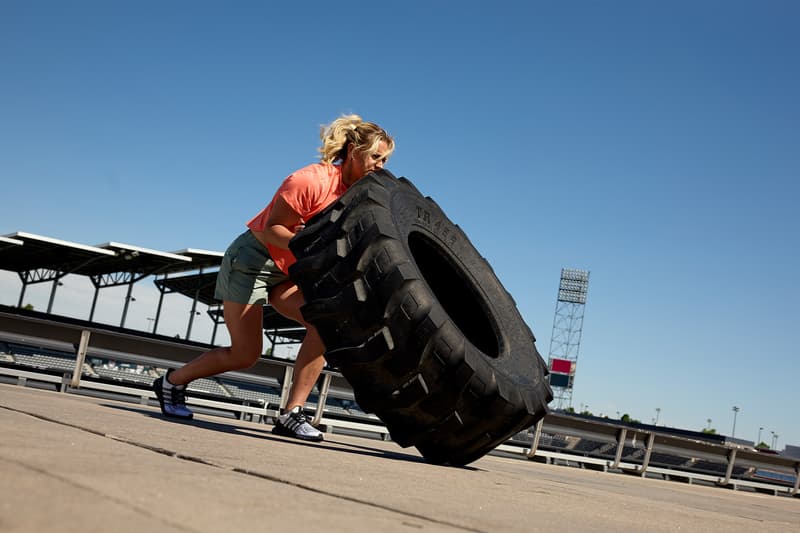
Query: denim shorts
x,y
247,272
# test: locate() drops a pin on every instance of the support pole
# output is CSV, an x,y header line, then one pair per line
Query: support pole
x,y
194,307
22,291
287,384
214,332
80,358
323,397
620,446
56,282
94,302
158,309
537,433
191,316
650,441
127,303
731,461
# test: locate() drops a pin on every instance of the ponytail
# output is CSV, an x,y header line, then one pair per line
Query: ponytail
x,y
337,136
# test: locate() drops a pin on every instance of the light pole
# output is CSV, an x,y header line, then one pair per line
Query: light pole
x,y
709,423
758,440
735,412
658,412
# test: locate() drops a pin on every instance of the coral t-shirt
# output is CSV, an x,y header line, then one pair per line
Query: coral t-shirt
x,y
307,191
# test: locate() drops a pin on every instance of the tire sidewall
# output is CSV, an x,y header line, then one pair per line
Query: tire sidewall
x,y
412,212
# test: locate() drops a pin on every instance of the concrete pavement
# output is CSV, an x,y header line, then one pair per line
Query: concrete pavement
x,y
73,463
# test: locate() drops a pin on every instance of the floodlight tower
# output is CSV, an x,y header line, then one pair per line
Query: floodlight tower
x,y
565,340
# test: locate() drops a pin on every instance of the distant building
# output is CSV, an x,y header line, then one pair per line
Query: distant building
x,y
792,451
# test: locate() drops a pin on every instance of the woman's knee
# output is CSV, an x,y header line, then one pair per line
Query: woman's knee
x,y
245,355
287,299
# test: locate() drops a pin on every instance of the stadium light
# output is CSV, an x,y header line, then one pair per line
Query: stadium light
x,y
574,286
736,410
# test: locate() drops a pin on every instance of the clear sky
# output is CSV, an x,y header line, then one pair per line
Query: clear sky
x,y
654,144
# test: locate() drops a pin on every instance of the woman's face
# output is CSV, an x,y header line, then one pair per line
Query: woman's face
x,y
362,163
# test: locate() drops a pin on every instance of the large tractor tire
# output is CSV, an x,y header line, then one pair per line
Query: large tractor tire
x,y
418,323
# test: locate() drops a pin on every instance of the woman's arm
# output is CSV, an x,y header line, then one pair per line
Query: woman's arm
x,y
282,224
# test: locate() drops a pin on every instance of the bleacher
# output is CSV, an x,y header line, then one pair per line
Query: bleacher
x,y
628,452
267,396
712,467
45,362
587,447
209,387
556,442
667,460
125,376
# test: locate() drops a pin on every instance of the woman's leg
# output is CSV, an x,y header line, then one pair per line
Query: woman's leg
x,y
245,325
287,299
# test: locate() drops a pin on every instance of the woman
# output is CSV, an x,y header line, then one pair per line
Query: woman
x,y
255,268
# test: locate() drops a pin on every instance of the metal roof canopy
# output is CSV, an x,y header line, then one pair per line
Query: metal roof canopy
x,y
39,259
201,259
7,242
37,252
129,265
200,286
134,260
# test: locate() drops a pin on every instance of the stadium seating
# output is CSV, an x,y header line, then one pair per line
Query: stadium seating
x,y
587,446
664,459
123,375
711,467
45,362
208,386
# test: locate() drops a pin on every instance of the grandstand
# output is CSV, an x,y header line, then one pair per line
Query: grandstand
x,y
80,356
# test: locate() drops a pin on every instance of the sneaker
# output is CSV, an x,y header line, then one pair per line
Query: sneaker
x,y
294,424
172,399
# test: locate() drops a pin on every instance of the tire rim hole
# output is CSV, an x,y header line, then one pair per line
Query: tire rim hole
x,y
455,294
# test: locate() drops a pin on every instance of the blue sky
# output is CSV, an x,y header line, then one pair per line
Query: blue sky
x,y
654,144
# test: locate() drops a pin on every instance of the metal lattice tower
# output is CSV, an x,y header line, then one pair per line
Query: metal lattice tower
x,y
565,340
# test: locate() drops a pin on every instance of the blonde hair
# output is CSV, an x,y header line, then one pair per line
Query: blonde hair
x,y
365,136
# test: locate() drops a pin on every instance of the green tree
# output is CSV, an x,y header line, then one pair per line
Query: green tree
x,y
709,431
28,307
